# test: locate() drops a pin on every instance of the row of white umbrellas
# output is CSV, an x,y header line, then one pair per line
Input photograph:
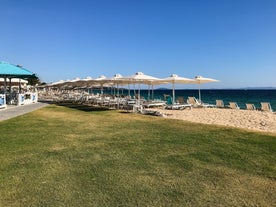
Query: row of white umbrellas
x,y
137,78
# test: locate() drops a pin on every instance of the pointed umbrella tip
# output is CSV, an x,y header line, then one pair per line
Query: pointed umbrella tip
x,y
199,76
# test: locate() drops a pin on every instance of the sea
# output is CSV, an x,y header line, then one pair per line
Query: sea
x,y
240,96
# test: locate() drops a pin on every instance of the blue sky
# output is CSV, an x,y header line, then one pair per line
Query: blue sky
x,y
230,40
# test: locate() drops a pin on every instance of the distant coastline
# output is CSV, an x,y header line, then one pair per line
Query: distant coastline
x,y
246,88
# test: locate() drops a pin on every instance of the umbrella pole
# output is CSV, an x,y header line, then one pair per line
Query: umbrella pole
x,y
152,93
199,95
139,94
118,92
134,91
173,101
148,92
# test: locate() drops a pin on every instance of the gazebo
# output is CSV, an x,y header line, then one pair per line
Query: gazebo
x,y
10,71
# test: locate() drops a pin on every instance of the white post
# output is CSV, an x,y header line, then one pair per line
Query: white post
x,y
199,95
173,101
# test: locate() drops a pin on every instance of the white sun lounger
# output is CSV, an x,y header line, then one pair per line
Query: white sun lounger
x,y
196,103
250,106
265,106
154,104
220,104
179,105
233,105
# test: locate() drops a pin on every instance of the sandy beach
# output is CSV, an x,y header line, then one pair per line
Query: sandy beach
x,y
251,120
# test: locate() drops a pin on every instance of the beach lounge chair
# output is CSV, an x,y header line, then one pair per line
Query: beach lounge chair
x,y
137,108
233,105
196,103
265,106
179,105
250,106
168,99
180,100
220,104
149,104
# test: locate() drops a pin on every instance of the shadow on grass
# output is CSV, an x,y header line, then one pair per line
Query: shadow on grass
x,y
81,107
126,112
85,107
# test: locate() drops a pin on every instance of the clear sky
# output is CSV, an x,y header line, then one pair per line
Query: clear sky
x,y
230,40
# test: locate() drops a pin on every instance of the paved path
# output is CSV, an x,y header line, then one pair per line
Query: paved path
x,y
13,111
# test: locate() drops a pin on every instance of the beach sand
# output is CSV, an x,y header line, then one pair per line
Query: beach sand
x,y
252,120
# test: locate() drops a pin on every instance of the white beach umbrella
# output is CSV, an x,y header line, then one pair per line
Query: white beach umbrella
x,y
73,82
86,81
152,83
140,78
101,80
58,83
199,80
88,78
66,84
117,79
77,82
175,79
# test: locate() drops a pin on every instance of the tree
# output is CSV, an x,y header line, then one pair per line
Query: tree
x,y
33,81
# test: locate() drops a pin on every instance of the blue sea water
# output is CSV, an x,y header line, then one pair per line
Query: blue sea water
x,y
210,96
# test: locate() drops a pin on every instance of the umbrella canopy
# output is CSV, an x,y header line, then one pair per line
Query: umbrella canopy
x,y
117,76
88,78
152,83
73,83
175,79
140,78
117,80
8,70
199,80
58,83
85,82
101,80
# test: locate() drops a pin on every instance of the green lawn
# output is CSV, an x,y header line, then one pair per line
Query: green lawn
x,y
78,156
